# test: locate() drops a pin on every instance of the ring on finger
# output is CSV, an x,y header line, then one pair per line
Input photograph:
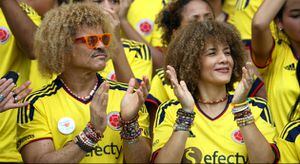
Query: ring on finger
x,y
15,98
1,97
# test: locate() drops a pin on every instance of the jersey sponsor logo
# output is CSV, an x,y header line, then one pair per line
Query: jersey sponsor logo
x,y
23,139
237,136
291,67
220,158
113,121
4,35
145,26
109,149
112,76
191,155
66,125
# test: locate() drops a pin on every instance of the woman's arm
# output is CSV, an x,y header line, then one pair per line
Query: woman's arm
x,y
173,150
262,40
17,18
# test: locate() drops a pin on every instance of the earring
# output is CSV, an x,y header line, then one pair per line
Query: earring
x,y
280,29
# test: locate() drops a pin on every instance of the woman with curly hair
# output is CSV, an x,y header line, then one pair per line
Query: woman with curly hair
x,y
206,123
80,116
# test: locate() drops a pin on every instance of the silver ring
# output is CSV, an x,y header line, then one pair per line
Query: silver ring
x,y
1,97
15,98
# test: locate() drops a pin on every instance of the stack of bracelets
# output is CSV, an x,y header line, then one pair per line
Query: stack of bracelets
x,y
130,130
242,114
88,138
184,120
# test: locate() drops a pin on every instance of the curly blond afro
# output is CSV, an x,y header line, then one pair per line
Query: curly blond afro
x,y
54,39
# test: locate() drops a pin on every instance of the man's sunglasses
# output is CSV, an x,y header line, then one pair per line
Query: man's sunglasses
x,y
92,41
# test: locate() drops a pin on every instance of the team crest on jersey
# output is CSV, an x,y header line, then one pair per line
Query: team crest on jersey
x,y
112,76
237,136
66,125
113,121
4,35
145,26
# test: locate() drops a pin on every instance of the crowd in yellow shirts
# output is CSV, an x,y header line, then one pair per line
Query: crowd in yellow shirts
x,y
160,81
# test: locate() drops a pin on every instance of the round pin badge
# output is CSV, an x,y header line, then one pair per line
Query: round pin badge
x,y
66,125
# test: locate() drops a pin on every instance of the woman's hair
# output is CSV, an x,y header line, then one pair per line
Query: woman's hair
x,y
185,49
169,19
295,112
280,34
54,39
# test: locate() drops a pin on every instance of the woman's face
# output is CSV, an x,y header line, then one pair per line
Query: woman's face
x,y
290,22
216,64
196,11
83,57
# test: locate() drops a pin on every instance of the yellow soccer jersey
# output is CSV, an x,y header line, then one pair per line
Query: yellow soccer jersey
x,y
138,56
160,90
139,59
242,18
229,7
54,113
142,14
289,143
281,83
12,58
212,140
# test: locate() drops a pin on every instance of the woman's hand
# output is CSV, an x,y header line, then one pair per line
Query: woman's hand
x,y
98,108
9,97
244,86
181,91
133,101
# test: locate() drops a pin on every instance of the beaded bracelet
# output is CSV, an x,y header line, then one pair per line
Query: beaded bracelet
x,y
245,121
184,120
83,146
130,130
242,114
93,129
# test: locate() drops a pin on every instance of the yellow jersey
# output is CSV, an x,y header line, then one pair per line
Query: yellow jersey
x,y
212,140
55,114
12,58
138,56
289,143
281,83
161,92
142,14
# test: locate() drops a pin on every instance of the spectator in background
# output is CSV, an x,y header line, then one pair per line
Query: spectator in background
x,y
276,57
17,27
289,139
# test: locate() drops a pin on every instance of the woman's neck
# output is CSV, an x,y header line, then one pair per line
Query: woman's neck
x,y
212,93
296,48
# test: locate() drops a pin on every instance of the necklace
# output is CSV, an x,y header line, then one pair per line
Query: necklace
x,y
80,97
213,101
